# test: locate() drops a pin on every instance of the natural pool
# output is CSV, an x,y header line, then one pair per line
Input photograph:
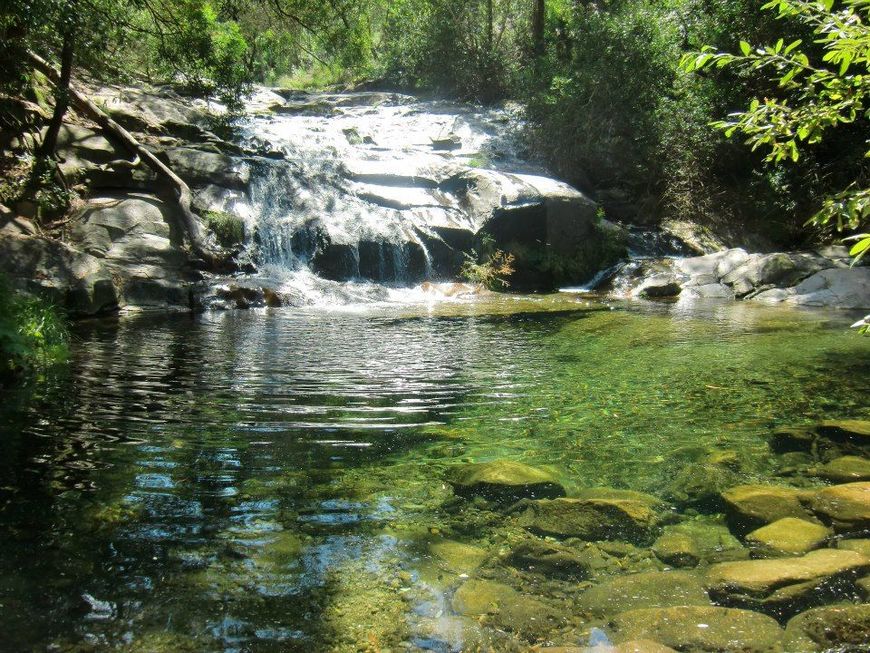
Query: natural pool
x,y
279,480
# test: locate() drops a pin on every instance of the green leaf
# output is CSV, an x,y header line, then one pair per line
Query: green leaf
x,y
860,247
745,48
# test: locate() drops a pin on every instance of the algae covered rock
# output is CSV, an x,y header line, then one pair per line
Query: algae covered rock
x,y
503,607
457,556
505,480
861,546
700,486
632,520
846,507
751,506
702,539
782,585
845,469
788,536
700,629
552,559
656,589
827,628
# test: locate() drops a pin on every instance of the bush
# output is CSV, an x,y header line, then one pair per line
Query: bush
x,y
33,333
228,229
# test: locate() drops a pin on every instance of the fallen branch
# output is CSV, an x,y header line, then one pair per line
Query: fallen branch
x,y
196,234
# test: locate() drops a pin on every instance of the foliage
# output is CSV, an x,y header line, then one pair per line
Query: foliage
x,y
491,272
228,229
815,95
32,332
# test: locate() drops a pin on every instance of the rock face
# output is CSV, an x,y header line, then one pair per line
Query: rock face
x,y
644,590
783,585
633,520
821,279
846,507
505,480
697,629
829,628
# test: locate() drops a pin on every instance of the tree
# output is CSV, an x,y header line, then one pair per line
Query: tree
x,y
815,94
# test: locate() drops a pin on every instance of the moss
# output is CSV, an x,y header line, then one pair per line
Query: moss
x,y
228,229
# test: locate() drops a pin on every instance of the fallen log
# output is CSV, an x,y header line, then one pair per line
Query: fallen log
x,y
197,236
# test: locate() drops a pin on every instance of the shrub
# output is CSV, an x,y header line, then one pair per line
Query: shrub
x,y
228,229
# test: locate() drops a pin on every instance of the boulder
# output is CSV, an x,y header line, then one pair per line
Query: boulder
x,y
751,506
846,507
710,540
661,285
503,607
504,480
838,627
845,469
779,269
656,589
861,546
701,629
458,557
787,536
700,486
591,519
200,168
846,288
784,585
677,550
552,559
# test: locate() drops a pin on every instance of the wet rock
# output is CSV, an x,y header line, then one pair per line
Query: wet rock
x,y
698,629
857,430
632,520
751,506
861,546
783,585
787,536
710,540
779,269
645,590
846,507
197,167
661,285
847,288
503,607
828,628
700,486
552,559
677,550
458,557
845,469
505,480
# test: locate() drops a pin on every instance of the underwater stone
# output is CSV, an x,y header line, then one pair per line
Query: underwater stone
x,y
505,480
789,535
751,506
591,519
699,629
677,549
828,628
784,585
861,546
857,430
846,506
655,589
845,469
552,558
700,486
458,557
713,541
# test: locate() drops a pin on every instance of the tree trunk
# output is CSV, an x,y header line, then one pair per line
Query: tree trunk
x,y
61,96
193,228
489,26
538,14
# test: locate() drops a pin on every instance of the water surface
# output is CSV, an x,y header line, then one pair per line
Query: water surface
x,y
271,481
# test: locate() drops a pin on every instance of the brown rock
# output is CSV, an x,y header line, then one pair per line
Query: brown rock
x,y
751,506
505,480
787,536
861,546
846,507
783,585
656,589
828,628
694,629
845,469
677,549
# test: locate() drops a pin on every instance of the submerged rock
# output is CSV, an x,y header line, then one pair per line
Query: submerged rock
x,y
700,486
505,480
846,507
458,557
656,589
552,559
845,469
783,585
787,536
698,629
677,549
592,519
829,628
751,506
710,541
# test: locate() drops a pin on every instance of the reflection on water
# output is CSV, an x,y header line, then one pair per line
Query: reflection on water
x,y
274,481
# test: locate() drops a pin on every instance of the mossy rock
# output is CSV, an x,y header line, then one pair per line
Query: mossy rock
x,y
838,627
704,538
845,469
228,229
458,557
752,506
846,507
787,536
504,481
655,589
551,559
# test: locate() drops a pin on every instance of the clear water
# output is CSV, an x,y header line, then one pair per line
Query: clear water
x,y
271,481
